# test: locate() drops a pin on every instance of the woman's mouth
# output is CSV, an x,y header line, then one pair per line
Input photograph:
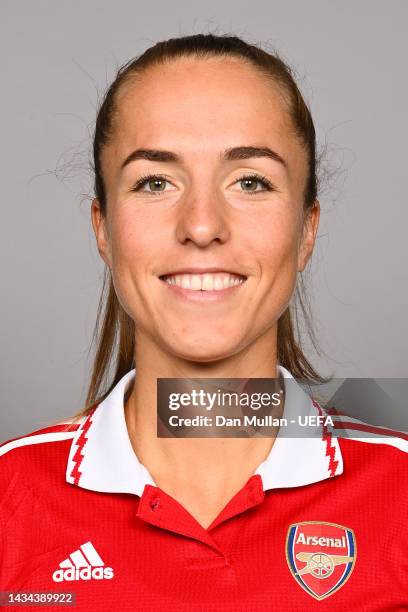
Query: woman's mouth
x,y
210,286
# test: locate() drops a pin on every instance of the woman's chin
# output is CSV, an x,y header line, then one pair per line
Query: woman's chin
x,y
204,352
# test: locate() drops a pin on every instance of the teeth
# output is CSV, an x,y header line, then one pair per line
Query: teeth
x,y
204,282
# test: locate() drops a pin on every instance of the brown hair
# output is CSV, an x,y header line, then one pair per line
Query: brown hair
x,y
113,325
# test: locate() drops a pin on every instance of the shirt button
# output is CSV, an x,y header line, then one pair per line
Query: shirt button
x,y
155,504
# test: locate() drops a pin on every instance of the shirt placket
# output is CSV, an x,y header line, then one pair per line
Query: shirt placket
x,y
163,511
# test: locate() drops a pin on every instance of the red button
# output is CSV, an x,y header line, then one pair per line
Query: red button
x,y
155,504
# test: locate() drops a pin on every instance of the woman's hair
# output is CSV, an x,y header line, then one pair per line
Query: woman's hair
x,y
114,332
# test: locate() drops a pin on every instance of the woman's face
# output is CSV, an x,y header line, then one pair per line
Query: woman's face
x,y
202,212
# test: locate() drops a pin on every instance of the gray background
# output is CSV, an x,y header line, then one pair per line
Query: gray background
x,y
57,58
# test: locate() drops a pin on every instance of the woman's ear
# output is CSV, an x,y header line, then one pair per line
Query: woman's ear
x,y
101,232
311,223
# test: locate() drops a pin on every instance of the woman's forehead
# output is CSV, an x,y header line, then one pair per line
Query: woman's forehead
x,y
201,98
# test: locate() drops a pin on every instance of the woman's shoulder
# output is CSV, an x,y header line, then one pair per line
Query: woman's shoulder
x,y
370,444
32,469
62,430
28,456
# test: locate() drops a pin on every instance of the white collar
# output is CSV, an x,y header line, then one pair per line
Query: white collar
x,y
101,457
299,459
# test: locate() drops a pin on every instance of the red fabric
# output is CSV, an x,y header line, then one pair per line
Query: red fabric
x,y
162,559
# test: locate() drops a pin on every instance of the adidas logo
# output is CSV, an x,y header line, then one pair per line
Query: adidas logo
x,y
82,564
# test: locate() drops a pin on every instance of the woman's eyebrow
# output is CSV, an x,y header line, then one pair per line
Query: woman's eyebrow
x,y
232,154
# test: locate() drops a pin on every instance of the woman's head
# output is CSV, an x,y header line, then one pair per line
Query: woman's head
x,y
223,130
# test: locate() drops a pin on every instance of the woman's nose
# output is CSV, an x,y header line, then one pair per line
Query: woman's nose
x,y
202,217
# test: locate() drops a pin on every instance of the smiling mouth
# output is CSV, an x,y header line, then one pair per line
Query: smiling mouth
x,y
216,281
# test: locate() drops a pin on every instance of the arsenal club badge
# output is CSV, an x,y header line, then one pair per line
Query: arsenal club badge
x,y
321,556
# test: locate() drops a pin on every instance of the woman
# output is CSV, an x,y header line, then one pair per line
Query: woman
x,y
205,211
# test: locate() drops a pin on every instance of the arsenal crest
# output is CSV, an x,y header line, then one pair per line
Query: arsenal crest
x,y
321,556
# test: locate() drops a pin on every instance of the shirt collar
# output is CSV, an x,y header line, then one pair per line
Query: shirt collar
x,y
304,454
101,456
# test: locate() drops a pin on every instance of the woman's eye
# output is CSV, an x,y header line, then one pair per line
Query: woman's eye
x,y
154,183
249,183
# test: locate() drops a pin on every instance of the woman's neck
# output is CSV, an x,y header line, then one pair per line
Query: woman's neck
x,y
203,474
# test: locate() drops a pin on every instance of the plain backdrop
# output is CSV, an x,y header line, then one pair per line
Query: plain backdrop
x,y
57,58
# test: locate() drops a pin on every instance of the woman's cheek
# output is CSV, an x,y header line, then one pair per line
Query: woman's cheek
x,y
126,269
280,266
276,244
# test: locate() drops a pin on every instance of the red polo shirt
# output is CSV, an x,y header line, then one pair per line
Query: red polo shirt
x,y
320,525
